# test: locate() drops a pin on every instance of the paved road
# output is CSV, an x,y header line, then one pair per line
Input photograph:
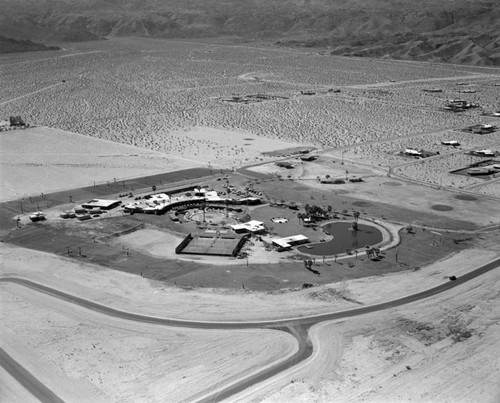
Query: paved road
x,y
298,326
29,382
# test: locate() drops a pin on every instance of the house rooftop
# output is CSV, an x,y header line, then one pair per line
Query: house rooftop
x,y
250,226
290,241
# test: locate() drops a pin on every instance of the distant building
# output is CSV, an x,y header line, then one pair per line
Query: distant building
x,y
412,153
483,153
286,165
309,158
483,129
481,171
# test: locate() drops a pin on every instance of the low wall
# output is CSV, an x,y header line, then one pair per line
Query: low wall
x,y
183,244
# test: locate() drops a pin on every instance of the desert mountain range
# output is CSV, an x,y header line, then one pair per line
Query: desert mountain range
x,y
455,31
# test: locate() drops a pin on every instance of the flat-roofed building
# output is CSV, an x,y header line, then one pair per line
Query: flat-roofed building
x,y
102,204
160,197
252,226
412,153
286,243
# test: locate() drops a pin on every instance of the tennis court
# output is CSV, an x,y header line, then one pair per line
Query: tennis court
x,y
219,246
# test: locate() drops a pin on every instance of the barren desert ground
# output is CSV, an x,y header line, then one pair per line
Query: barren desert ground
x,y
130,319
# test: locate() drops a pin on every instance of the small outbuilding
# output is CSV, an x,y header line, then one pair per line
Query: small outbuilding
x,y
286,243
453,143
102,204
252,226
412,153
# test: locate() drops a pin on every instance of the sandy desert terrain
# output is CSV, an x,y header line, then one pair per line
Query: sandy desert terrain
x,y
169,97
176,85
75,349
47,160
121,361
415,354
41,157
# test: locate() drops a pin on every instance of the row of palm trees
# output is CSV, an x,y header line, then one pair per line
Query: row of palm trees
x,y
316,212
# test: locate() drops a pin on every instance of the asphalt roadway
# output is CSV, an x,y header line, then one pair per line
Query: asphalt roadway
x,y
298,327
27,380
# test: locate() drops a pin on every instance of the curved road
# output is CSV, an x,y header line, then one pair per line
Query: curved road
x,y
297,326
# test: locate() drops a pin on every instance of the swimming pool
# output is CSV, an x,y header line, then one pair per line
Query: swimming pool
x,y
344,237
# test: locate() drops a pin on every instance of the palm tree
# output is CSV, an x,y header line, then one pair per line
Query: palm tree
x,y
369,252
307,207
356,217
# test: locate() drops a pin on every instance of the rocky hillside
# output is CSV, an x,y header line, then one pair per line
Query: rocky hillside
x,y
458,31
9,45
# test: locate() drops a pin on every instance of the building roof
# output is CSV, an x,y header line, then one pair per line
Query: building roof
x,y
103,203
212,195
290,240
251,226
160,196
412,152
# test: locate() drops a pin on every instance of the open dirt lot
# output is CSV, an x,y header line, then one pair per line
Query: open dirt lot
x,y
416,353
42,160
45,160
127,361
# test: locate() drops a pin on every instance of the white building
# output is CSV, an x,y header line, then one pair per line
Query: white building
x,y
288,242
413,153
252,226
